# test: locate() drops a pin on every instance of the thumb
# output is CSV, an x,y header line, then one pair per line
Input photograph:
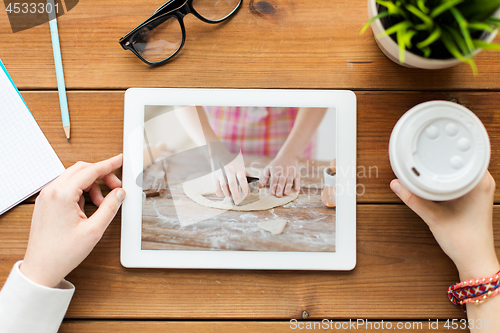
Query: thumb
x,y
108,208
424,208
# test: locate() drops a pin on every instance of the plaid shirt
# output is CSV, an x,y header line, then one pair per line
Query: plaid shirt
x,y
256,130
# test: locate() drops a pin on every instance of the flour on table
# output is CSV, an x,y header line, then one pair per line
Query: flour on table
x,y
196,189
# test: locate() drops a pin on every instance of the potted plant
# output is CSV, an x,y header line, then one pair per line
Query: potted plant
x,y
434,34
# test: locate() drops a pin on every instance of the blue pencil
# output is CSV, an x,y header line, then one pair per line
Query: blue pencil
x,y
54,34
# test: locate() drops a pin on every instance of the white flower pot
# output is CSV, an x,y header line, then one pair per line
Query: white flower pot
x,y
391,49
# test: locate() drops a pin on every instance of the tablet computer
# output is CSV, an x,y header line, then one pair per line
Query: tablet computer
x,y
286,158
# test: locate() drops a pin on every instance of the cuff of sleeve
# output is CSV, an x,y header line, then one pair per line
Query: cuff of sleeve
x,y
26,306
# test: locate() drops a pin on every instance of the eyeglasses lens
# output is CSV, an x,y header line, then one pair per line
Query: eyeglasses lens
x,y
215,10
159,39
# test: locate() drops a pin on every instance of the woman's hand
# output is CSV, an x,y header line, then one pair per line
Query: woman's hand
x,y
62,236
462,227
235,172
283,175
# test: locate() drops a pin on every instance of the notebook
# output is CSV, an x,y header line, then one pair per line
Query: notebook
x,y
27,160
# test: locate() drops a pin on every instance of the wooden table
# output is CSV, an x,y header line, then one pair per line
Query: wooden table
x,y
401,274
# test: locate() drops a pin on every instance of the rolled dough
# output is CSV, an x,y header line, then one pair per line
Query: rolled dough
x,y
196,188
274,226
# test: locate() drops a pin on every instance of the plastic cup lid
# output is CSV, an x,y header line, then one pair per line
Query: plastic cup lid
x,y
439,150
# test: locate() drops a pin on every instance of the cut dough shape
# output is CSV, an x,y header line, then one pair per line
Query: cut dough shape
x,y
274,226
196,189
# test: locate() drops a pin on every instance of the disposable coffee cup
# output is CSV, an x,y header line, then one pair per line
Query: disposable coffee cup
x,y
439,150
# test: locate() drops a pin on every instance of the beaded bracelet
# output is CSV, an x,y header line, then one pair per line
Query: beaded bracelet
x,y
474,291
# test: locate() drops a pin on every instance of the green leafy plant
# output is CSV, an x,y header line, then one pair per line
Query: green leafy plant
x,y
438,28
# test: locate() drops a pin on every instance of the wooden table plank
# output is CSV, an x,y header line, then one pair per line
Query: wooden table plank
x,y
396,253
300,44
70,326
97,129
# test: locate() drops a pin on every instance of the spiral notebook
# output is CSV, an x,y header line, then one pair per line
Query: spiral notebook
x,y
27,160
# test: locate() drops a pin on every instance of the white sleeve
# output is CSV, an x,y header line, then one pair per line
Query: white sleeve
x,y
26,306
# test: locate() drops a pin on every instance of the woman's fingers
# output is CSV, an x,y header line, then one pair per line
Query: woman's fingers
x,y
69,172
282,179
265,177
81,203
242,179
236,181
76,169
107,210
288,186
218,188
112,181
221,188
297,182
273,184
281,186
424,208
225,189
96,194
88,175
233,187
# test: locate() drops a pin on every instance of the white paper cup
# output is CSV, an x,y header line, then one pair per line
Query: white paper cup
x,y
439,150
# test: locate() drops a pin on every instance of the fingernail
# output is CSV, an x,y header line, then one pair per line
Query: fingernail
x,y
120,194
395,186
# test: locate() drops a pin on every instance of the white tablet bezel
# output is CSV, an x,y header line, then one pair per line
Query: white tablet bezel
x,y
344,258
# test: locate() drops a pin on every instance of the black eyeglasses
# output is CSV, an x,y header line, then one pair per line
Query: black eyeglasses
x,y
162,35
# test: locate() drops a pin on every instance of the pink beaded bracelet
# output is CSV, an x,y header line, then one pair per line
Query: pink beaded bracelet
x,y
475,291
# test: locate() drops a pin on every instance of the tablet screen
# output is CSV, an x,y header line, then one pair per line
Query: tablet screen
x,y
276,163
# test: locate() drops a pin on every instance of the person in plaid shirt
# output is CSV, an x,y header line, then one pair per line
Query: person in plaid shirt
x,y
283,132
